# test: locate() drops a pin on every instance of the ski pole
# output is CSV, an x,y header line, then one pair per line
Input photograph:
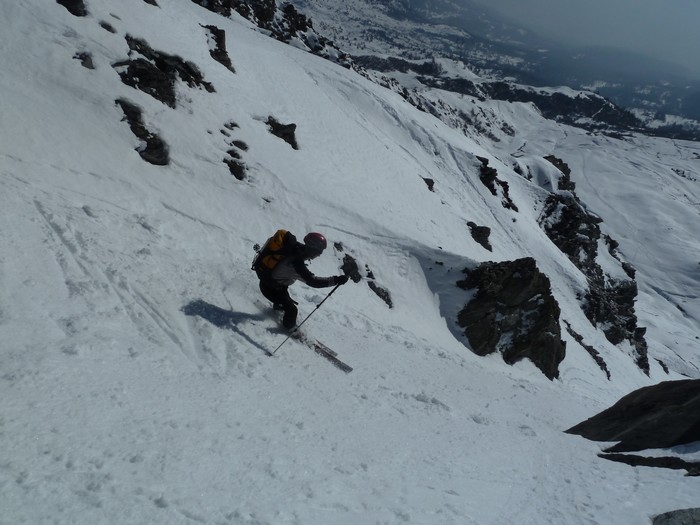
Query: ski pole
x,y
296,328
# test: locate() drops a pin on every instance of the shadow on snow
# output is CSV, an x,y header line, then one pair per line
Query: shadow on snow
x,y
223,318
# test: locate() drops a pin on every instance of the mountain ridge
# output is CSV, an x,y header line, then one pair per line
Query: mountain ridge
x,y
499,50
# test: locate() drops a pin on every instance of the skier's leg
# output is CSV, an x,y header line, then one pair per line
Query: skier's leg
x,y
281,301
289,320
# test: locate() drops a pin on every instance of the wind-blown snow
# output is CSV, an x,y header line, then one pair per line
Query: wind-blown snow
x,y
119,408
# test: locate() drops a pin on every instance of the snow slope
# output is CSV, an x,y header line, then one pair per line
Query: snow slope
x,y
119,408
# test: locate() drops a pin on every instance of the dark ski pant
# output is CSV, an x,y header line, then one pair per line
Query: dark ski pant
x,y
280,297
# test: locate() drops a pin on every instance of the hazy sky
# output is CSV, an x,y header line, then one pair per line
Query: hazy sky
x,y
668,29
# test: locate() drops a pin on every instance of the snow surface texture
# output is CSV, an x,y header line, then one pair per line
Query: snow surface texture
x,y
118,408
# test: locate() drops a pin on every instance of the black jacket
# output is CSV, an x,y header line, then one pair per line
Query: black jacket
x,y
292,269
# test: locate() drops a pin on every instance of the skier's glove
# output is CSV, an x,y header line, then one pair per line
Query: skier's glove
x,y
340,279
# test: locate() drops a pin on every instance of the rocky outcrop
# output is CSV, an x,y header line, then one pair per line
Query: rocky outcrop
x,y
284,131
659,416
574,231
153,149
480,234
489,178
285,24
513,312
678,517
565,182
75,7
592,351
156,73
217,46
692,468
609,302
351,268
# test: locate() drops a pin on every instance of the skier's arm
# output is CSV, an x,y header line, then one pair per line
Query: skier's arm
x,y
313,281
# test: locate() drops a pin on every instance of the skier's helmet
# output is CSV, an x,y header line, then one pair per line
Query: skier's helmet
x,y
315,244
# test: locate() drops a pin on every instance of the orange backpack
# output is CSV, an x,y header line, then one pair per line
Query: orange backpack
x,y
276,248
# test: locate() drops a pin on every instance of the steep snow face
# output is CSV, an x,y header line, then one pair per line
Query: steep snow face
x,y
118,407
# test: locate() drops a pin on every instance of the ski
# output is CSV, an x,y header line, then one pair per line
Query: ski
x,y
319,348
332,352
329,354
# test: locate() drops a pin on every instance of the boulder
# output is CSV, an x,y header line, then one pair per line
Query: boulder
x,y
678,517
659,416
480,234
284,131
513,312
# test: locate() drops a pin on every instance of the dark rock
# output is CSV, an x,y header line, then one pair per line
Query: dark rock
x,y
430,183
574,231
663,366
613,245
108,27
480,234
659,416
218,49
592,351
513,312
75,7
692,468
565,182
236,167
85,59
264,11
678,517
284,131
296,22
351,268
153,149
152,2
489,177
156,73
630,270
282,24
145,76
608,302
221,7
382,292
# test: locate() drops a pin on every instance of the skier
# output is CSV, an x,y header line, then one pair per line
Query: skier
x,y
281,262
